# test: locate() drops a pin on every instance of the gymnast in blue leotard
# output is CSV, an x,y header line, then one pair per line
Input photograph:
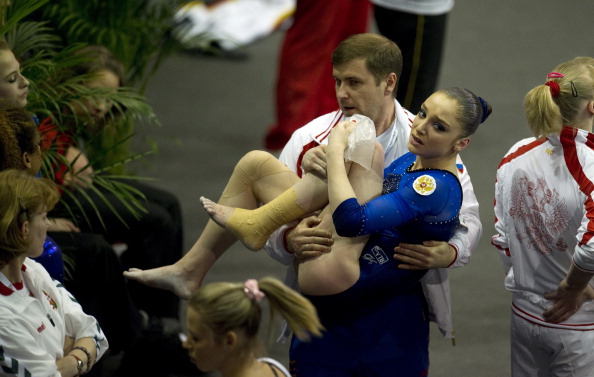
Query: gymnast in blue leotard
x,y
379,324
373,312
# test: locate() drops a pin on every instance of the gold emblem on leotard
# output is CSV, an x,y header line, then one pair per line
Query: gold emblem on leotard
x,y
424,185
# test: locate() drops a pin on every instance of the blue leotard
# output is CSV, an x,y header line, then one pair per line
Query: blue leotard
x,y
379,327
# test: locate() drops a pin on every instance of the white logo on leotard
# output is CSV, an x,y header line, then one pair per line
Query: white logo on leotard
x,y
376,255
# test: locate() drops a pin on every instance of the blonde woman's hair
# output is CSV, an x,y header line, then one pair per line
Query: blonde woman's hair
x,y
224,307
21,194
547,110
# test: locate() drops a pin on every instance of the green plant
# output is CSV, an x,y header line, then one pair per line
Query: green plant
x,y
137,32
55,91
46,52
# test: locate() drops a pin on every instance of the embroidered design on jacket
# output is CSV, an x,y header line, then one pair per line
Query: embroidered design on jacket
x,y
51,301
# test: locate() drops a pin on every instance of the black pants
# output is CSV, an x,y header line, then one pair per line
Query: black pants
x,y
96,281
154,239
421,40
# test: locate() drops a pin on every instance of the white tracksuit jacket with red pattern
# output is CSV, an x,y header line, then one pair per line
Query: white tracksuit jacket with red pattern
x,y
544,219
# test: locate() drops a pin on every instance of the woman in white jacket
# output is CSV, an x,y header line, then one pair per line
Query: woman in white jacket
x,y
43,330
545,227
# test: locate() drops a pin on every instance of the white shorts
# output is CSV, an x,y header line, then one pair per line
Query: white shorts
x,y
546,352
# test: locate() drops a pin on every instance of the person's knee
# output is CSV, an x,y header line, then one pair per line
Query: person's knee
x,y
257,164
252,160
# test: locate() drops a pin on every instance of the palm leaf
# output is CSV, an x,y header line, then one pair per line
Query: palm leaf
x,y
12,14
137,32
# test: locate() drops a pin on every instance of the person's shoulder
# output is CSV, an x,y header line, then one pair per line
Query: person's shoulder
x,y
280,367
326,121
37,274
522,148
317,129
430,181
32,266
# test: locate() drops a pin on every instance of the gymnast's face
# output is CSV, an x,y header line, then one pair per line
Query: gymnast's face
x,y
205,350
436,130
95,110
14,87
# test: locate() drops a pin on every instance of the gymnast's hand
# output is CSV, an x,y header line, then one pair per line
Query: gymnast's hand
x,y
308,240
567,302
62,225
314,161
81,172
429,254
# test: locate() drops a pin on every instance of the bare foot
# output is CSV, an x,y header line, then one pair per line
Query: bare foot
x,y
218,213
171,278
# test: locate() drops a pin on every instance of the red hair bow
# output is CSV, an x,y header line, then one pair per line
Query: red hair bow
x,y
555,90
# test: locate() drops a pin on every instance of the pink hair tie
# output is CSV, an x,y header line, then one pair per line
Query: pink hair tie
x,y
555,75
555,90
251,289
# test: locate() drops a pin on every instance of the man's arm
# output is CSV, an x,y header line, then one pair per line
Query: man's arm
x,y
468,234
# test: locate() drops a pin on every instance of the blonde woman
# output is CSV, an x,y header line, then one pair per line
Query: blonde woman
x,y
224,320
544,223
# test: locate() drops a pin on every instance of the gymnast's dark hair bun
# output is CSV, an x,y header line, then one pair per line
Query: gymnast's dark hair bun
x,y
486,109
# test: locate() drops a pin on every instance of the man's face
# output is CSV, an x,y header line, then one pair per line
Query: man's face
x,y
357,91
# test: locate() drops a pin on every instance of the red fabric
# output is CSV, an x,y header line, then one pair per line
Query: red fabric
x,y
52,138
305,86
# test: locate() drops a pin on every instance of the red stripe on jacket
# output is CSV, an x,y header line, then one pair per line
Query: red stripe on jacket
x,y
574,166
312,144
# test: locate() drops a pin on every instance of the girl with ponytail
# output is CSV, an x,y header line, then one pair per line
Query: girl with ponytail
x,y
545,227
224,321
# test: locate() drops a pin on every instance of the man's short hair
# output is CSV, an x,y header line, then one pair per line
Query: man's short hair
x,y
382,56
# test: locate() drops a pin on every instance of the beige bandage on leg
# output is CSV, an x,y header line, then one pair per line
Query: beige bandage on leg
x,y
253,227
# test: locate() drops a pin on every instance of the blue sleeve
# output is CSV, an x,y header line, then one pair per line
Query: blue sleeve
x,y
394,209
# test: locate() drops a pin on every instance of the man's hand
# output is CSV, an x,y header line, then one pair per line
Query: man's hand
x,y
307,240
431,254
567,302
314,161
62,225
